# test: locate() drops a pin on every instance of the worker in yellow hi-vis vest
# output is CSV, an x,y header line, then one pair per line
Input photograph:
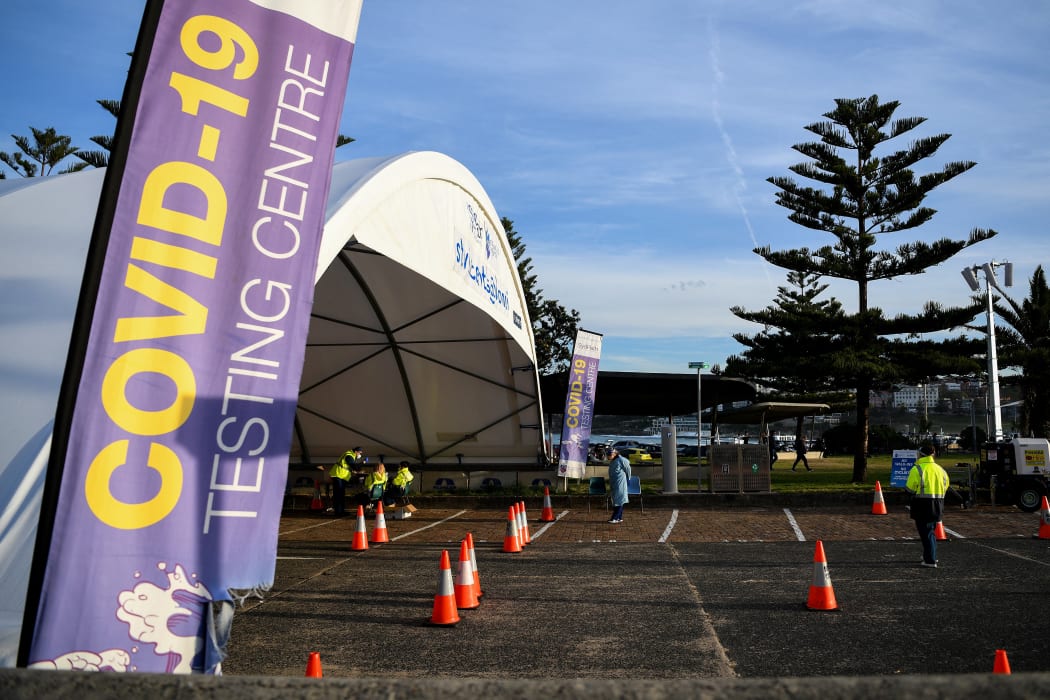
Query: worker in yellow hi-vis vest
x,y
340,474
927,484
398,485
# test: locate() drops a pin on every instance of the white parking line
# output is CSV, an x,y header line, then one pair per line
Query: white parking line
x,y
300,558
794,525
670,526
1010,554
543,529
427,527
323,523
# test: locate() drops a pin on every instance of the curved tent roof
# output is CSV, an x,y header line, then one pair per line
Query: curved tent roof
x,y
419,347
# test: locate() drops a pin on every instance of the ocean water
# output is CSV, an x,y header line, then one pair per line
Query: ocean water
x,y
606,439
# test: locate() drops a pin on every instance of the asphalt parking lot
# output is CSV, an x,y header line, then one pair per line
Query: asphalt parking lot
x,y
673,593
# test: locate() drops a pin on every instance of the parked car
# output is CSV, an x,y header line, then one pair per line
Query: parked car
x,y
636,454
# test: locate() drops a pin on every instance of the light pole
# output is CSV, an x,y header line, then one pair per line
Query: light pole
x,y
973,423
925,410
970,275
926,402
698,366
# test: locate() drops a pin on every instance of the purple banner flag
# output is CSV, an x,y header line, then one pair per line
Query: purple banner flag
x,y
171,486
579,405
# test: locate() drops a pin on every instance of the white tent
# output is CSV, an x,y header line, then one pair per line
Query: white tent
x,y
420,347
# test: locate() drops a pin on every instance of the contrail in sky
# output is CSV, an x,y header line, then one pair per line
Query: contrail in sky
x,y
734,161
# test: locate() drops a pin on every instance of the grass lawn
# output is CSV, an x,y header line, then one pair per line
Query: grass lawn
x,y
829,475
835,473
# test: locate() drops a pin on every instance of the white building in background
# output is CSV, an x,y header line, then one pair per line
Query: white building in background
x,y
683,425
917,397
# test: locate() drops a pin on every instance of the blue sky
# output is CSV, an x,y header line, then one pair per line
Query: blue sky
x,y
630,142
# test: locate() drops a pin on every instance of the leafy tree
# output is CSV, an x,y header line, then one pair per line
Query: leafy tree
x,y
882,439
533,296
791,354
41,155
1024,342
788,356
860,196
553,326
555,332
839,439
966,438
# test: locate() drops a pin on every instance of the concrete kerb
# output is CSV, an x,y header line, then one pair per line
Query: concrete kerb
x,y
22,684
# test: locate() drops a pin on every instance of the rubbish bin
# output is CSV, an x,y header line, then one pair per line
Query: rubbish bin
x,y
739,468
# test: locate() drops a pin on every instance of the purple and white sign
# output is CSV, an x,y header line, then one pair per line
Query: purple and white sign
x,y
173,482
579,405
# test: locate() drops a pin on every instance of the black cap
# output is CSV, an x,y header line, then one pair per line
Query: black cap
x,y
926,448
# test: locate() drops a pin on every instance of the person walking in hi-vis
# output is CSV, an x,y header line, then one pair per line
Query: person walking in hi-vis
x,y
927,484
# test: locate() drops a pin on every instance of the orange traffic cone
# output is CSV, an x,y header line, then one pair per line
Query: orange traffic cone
x,y
1044,520
511,541
445,612
1002,664
380,534
313,665
879,506
517,523
547,515
523,525
360,540
474,566
821,595
466,596
939,532
317,503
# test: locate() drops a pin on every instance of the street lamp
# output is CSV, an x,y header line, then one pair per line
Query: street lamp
x,y
970,275
926,402
973,419
698,366
925,410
